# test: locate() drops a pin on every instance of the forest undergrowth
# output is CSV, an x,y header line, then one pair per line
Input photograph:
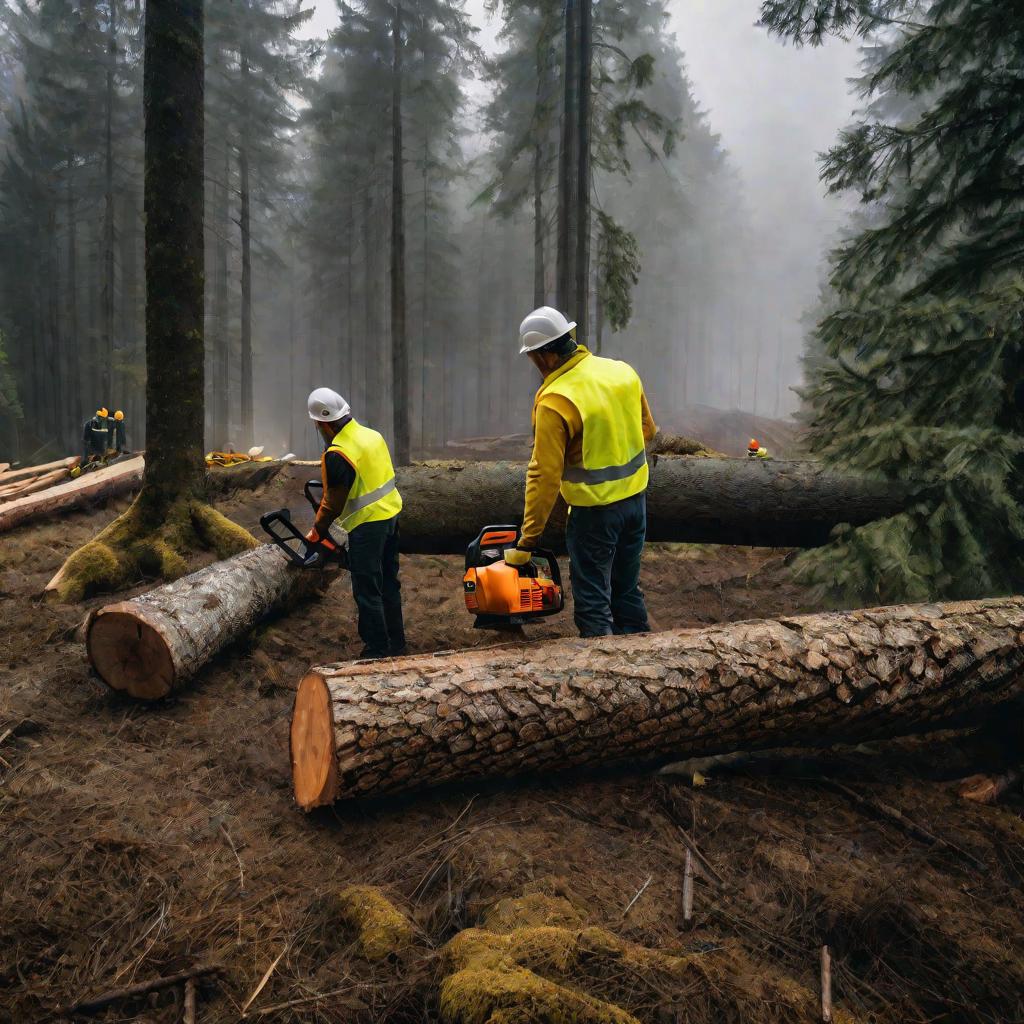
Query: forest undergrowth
x,y
138,840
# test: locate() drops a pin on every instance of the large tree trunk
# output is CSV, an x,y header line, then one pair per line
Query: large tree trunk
x,y
399,344
173,88
582,268
708,501
368,729
150,645
568,179
109,297
248,425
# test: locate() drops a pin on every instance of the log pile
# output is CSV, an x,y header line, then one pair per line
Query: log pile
x,y
26,480
51,493
150,645
367,729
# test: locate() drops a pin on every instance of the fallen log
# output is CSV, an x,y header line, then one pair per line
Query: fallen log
x,y
696,500
32,485
119,479
91,487
150,645
371,728
10,475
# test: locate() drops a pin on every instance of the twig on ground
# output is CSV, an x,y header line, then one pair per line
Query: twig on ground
x,y
897,816
306,999
704,863
263,981
643,889
688,888
826,986
135,990
189,1016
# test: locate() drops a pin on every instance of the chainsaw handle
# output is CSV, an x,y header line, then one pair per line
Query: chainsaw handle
x,y
314,492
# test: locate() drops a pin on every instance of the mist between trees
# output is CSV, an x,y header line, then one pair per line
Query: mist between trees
x,y
301,186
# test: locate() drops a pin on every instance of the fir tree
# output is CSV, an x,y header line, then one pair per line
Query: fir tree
x,y
920,364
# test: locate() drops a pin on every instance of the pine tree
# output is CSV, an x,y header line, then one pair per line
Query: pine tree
x,y
920,363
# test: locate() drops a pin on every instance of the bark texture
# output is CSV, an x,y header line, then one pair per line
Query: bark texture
x,y
150,645
368,729
712,501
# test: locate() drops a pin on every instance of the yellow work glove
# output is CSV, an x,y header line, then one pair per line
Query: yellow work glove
x,y
762,453
517,557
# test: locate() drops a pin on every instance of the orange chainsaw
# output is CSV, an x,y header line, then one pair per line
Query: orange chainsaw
x,y
500,595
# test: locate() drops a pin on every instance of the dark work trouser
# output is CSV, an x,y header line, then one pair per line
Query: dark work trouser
x,y
373,562
605,544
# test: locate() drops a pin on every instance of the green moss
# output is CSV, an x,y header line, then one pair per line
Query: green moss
x,y
144,542
485,995
382,929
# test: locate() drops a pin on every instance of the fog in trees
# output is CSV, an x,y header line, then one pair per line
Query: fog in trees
x,y
318,118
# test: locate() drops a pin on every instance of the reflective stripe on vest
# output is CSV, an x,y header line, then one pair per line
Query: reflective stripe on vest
x,y
579,475
366,500
374,493
608,395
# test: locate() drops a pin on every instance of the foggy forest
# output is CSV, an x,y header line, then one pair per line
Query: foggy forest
x,y
512,511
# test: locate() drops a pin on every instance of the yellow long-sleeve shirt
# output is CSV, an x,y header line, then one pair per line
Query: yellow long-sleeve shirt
x,y
557,442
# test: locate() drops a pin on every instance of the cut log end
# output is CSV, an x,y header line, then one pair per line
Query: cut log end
x,y
130,654
313,752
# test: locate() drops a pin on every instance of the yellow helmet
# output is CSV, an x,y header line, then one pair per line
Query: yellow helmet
x,y
102,412
118,415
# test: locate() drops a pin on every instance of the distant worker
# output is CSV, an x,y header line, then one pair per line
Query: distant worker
x,y
361,493
96,437
118,440
756,451
591,423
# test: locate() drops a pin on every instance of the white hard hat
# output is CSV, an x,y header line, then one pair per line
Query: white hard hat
x,y
326,406
540,327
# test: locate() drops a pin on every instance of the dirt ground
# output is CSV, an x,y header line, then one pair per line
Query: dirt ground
x,y
136,840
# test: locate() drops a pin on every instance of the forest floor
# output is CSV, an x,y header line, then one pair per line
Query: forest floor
x,y
136,840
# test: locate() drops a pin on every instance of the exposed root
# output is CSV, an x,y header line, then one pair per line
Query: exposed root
x,y
382,930
132,547
674,444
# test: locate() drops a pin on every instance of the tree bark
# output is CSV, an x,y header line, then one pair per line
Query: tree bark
x,y
707,501
399,342
150,645
567,166
107,367
582,268
248,425
221,391
362,729
173,100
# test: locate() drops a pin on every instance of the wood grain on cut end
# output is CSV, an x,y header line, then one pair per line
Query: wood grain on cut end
x,y
129,653
313,754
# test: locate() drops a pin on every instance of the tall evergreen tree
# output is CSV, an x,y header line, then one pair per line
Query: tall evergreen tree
x,y
922,359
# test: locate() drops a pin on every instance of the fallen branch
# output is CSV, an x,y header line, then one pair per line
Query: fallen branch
x,y
896,816
130,991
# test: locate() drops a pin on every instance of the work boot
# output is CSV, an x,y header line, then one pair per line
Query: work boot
x,y
367,654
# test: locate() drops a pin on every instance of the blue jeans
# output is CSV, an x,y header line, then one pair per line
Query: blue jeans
x,y
605,544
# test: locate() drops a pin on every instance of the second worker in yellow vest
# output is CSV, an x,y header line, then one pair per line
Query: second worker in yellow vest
x,y
591,423
360,493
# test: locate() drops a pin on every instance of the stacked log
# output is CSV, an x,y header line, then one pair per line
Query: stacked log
x,y
367,729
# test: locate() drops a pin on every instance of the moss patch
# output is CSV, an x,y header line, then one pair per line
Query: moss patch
x,y
382,930
133,546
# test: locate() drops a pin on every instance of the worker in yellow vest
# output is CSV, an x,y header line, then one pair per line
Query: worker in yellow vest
x,y
360,493
591,423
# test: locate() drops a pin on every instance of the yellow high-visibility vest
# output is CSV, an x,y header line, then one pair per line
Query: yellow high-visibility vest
x,y
607,394
374,494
